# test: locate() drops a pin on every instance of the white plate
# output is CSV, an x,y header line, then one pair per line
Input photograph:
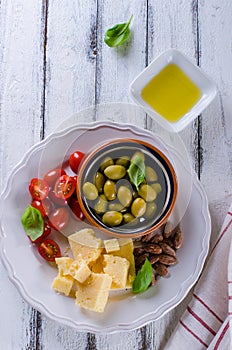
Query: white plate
x,y
33,277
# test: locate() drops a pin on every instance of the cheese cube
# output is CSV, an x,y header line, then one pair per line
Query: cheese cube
x,y
117,268
126,251
85,243
111,245
79,270
63,284
93,293
64,264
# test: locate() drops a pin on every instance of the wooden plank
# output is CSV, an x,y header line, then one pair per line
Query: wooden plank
x,y
216,125
70,60
116,68
70,66
21,86
172,25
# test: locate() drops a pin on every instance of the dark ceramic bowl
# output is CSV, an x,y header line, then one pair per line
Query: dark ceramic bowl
x,y
164,202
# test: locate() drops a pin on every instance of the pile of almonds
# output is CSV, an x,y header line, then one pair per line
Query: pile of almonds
x,y
159,248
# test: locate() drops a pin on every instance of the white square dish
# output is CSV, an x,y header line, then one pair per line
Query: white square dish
x,y
207,88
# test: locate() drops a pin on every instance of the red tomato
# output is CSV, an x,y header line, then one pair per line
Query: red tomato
x,y
38,189
43,206
49,250
59,201
46,232
53,175
75,159
65,186
59,218
76,209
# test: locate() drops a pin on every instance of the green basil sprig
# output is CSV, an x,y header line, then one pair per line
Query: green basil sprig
x,y
32,222
118,34
143,278
136,172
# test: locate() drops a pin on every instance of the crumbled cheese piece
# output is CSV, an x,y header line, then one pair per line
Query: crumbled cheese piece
x,y
93,293
79,270
63,284
126,251
64,264
117,268
85,243
111,245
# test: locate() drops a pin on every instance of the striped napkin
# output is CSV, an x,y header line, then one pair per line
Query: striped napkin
x,y
207,321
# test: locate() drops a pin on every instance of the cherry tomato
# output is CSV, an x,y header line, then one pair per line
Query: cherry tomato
x,y
76,209
59,218
53,175
46,232
75,159
49,250
64,187
38,189
43,206
59,201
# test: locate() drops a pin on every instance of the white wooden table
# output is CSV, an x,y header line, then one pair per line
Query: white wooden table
x,y
53,63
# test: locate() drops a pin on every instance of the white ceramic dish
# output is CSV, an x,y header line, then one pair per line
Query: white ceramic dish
x,y
33,277
207,87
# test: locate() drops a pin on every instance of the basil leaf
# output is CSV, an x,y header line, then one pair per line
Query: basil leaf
x,y
136,172
118,34
143,278
32,222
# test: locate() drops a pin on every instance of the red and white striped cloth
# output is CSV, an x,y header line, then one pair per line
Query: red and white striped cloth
x,y
207,321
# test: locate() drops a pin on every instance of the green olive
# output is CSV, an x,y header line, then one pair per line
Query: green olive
x,y
110,190
112,218
90,191
157,187
151,209
147,193
128,217
99,181
116,206
138,207
115,172
101,204
136,156
125,161
151,174
105,163
124,196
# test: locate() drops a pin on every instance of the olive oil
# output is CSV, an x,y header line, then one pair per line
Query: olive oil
x,y
171,93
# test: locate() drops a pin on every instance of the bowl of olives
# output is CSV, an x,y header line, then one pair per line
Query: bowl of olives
x,y
127,188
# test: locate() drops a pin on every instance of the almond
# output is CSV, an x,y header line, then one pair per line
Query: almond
x,y
153,248
168,229
178,240
167,249
161,269
167,259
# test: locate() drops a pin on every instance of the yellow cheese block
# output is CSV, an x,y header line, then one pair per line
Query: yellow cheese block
x,y
79,270
85,243
111,245
64,264
117,268
93,293
126,251
63,284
